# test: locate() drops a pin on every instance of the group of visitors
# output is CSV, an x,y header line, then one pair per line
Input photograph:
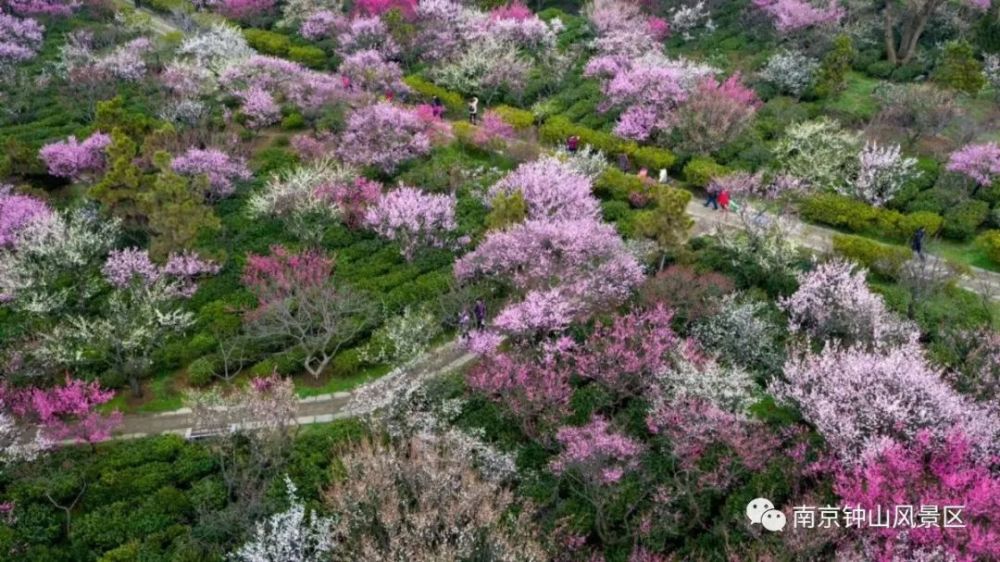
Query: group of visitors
x,y
718,198
464,319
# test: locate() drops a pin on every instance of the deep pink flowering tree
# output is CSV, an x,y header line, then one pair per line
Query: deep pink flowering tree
x,y
857,398
220,168
600,455
533,386
73,159
368,70
384,136
20,39
493,130
833,302
980,162
794,15
275,277
414,219
716,113
352,199
929,471
16,211
513,11
552,189
379,7
68,413
245,10
658,28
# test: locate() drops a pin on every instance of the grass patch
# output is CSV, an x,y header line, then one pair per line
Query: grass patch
x,y
964,252
855,104
341,384
160,394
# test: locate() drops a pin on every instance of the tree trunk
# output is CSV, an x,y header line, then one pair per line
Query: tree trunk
x,y
890,35
915,29
133,383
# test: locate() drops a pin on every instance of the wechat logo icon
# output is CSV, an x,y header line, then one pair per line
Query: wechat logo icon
x,y
762,511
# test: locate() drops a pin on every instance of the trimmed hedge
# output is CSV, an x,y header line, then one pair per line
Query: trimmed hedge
x,y
883,259
425,89
962,220
310,56
268,42
653,158
616,185
517,118
844,212
557,129
699,171
989,241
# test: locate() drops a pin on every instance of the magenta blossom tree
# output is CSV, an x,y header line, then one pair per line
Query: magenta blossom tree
x,y
379,7
17,211
383,136
979,162
493,130
552,189
245,10
220,168
931,472
352,199
68,413
596,452
716,113
414,219
73,159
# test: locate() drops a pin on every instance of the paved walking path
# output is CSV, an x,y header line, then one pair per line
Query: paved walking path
x,y
318,409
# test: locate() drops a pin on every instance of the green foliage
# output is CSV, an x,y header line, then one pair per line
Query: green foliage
x,y
311,56
268,42
175,210
120,189
617,185
668,223
427,90
962,220
557,129
273,159
201,371
346,363
989,241
843,212
169,7
293,122
883,259
834,68
506,210
699,171
958,68
518,118
653,158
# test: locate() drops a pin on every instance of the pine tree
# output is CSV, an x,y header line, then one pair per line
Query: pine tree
x,y
959,68
668,223
175,209
120,190
836,64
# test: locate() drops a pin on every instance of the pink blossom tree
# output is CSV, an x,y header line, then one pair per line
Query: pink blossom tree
x,y
716,113
366,33
383,136
833,302
379,7
73,159
20,40
856,398
353,199
793,15
493,130
43,7
245,10
16,211
931,471
979,162
321,24
220,168
552,189
301,305
369,70
413,218
68,413
598,453
259,108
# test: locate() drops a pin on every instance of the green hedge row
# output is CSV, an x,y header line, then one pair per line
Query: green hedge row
x,y
844,212
989,241
557,129
428,90
883,259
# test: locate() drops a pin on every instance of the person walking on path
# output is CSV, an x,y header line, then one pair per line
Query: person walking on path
x,y
572,144
713,196
463,323
918,242
724,200
437,107
623,163
480,312
663,176
474,110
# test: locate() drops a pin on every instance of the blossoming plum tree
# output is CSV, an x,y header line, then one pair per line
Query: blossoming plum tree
x,y
413,218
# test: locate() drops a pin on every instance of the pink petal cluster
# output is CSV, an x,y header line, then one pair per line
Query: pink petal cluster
x,y
857,398
552,189
794,15
384,136
929,471
623,30
66,412
600,454
379,7
514,11
16,211
413,218
981,162
369,70
492,128
352,199
132,266
245,10
321,24
364,33
43,7
274,277
220,168
20,39
262,80
73,159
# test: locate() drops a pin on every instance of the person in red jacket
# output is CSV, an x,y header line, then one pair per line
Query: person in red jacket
x,y
724,200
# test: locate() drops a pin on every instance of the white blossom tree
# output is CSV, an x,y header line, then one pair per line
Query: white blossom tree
x,y
293,535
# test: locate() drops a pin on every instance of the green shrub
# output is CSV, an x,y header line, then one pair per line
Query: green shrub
x,y
517,118
961,221
843,212
264,368
653,158
346,363
428,90
169,6
880,258
293,122
557,129
201,371
615,184
272,159
881,69
313,57
268,42
699,171
959,69
989,241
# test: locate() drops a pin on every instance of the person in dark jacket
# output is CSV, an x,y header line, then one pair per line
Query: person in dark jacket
x,y
918,242
479,311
